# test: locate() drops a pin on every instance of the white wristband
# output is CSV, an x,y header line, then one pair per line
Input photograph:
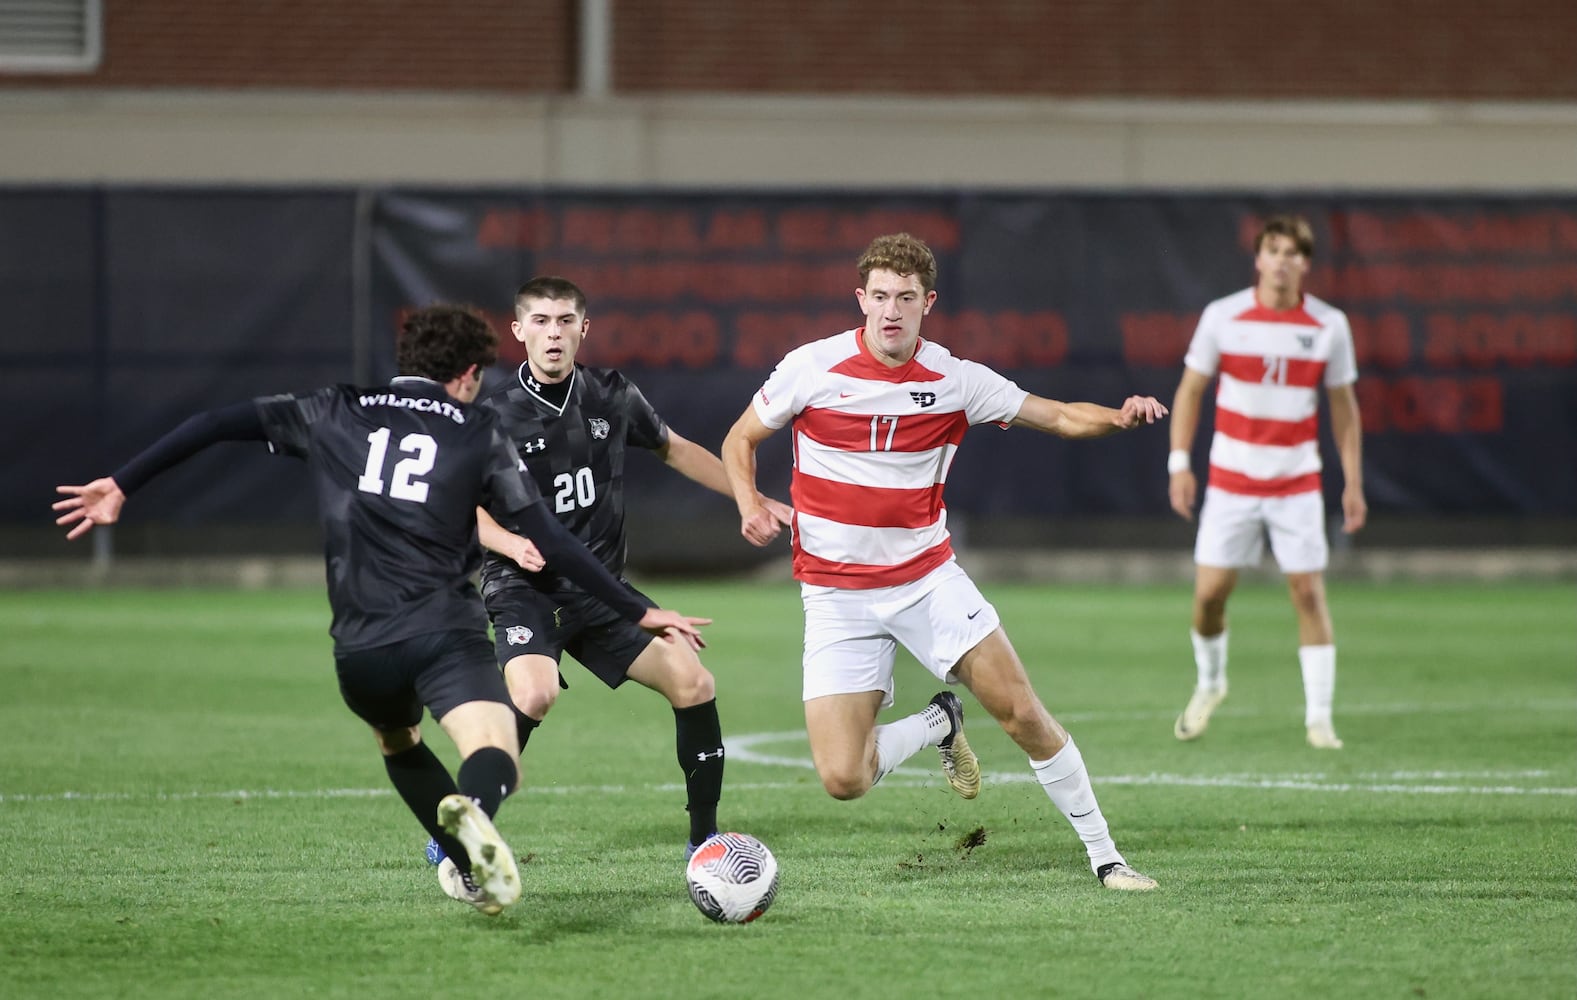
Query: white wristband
x,y
1178,460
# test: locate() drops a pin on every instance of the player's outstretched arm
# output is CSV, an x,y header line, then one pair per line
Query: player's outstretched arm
x,y
100,501
760,519
1087,420
698,464
1347,430
673,626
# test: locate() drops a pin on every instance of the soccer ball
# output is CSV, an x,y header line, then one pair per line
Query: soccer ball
x,y
733,878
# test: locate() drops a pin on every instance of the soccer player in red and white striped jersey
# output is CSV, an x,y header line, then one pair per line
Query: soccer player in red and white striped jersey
x,y
877,415
1273,348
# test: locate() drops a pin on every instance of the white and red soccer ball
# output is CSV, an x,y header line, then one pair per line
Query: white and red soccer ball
x,y
733,878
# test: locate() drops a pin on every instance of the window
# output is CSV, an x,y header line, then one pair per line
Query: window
x,y
51,36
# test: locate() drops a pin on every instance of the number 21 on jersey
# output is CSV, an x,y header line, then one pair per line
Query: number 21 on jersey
x,y
406,483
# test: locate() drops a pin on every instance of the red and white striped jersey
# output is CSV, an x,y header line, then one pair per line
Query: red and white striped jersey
x,y
1272,365
872,446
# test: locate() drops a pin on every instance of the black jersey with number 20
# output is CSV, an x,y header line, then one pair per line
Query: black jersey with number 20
x,y
399,472
574,448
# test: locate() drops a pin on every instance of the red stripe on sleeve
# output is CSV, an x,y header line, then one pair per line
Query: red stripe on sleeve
x,y
1274,371
1262,430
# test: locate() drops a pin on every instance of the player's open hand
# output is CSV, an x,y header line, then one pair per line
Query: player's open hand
x,y
673,626
1138,410
780,511
98,502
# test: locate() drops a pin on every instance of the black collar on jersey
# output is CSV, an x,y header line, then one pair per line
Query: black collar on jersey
x,y
554,394
420,384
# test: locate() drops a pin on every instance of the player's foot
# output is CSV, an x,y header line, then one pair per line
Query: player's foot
x,y
690,849
1323,737
959,763
1118,875
460,885
435,853
492,862
1191,724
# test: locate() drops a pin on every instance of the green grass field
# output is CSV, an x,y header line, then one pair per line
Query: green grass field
x,y
187,810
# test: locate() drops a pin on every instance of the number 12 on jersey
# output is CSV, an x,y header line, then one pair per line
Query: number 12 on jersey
x,y
406,485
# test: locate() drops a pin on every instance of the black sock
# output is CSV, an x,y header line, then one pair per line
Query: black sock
x,y
422,781
699,737
488,776
525,725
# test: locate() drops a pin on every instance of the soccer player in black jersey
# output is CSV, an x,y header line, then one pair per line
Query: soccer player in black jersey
x,y
571,425
400,471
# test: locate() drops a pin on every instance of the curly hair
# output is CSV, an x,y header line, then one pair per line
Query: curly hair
x,y
1294,227
901,254
440,342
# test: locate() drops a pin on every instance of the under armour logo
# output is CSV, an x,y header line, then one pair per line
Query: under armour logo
x,y
924,398
704,756
531,446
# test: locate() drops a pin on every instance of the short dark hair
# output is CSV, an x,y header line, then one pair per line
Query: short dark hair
x,y
442,341
901,254
1296,227
551,287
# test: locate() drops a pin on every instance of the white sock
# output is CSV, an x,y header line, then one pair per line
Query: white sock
x,y
1210,657
1319,683
897,741
1067,784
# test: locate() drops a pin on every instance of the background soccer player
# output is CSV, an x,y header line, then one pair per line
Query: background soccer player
x,y
1274,347
399,471
571,425
877,414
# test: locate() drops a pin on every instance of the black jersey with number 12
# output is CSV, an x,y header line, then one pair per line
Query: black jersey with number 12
x,y
399,472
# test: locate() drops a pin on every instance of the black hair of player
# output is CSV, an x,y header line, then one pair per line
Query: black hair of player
x,y
441,342
552,288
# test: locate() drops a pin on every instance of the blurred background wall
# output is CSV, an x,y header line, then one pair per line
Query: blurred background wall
x,y
201,201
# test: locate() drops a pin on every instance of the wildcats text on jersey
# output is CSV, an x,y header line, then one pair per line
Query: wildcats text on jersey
x,y
422,403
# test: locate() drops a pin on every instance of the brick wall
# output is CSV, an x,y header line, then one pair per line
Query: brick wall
x,y
516,46
1408,49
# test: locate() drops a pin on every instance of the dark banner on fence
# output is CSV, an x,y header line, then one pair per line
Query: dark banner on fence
x,y
130,308
1464,312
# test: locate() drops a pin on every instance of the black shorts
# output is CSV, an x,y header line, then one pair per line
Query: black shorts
x,y
388,685
529,622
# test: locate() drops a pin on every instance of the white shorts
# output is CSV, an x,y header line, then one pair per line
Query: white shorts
x,y
1232,529
852,636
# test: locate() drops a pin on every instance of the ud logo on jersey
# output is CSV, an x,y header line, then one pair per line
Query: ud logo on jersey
x,y
534,446
1306,341
518,635
599,427
923,398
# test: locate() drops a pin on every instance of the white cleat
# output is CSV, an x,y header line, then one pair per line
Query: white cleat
x,y
459,885
1196,717
493,870
1119,876
1323,737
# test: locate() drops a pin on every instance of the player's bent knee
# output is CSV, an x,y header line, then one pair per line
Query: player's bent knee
x,y
393,741
535,702
696,688
845,786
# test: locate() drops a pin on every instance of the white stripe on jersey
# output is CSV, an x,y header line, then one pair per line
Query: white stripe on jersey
x,y
1270,402
1264,461
846,543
